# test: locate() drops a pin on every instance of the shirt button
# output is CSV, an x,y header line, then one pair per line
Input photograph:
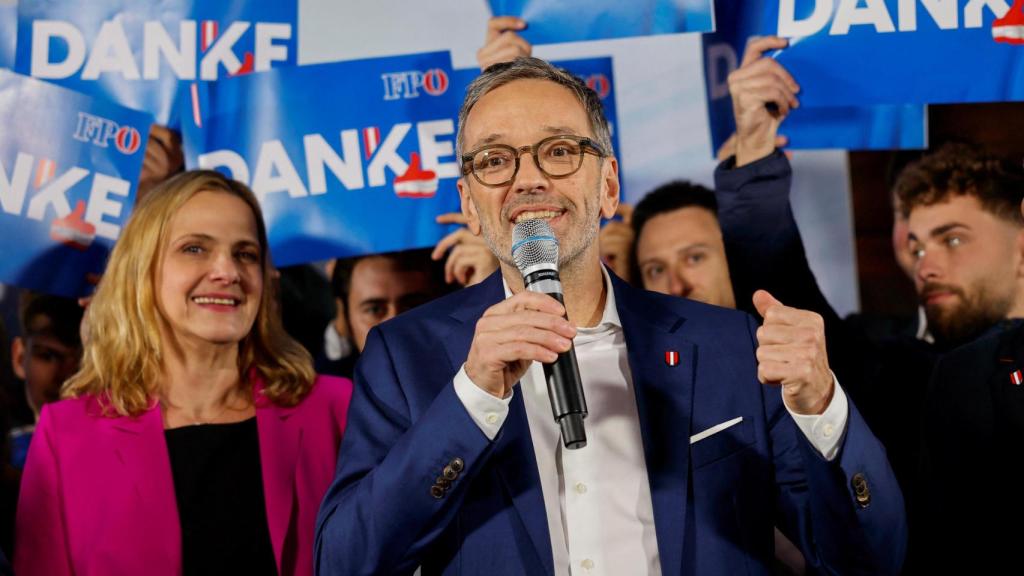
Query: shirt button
x,y
827,430
492,418
581,488
587,564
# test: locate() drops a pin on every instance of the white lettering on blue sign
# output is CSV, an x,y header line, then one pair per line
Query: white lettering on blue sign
x,y
102,195
845,14
112,53
275,171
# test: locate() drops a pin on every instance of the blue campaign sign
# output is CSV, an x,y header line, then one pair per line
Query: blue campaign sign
x,y
347,158
8,32
69,164
854,53
554,21
877,127
596,72
135,52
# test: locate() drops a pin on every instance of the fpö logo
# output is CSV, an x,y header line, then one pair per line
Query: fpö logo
x,y
409,83
191,50
600,84
102,131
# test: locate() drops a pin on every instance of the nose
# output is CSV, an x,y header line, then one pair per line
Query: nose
x,y
224,269
929,266
679,284
529,178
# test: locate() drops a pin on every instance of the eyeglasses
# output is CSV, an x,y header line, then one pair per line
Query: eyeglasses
x,y
556,156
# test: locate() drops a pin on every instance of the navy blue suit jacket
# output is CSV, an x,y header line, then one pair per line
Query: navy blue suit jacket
x,y
715,502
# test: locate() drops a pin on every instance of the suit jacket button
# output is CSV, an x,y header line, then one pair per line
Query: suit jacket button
x,y
437,492
861,492
457,465
449,473
444,483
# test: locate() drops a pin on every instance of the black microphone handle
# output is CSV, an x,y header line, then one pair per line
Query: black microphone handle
x,y
565,389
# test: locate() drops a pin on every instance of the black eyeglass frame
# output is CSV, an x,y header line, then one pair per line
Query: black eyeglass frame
x,y
586,145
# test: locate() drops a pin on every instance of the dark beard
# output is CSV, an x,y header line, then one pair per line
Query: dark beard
x,y
964,323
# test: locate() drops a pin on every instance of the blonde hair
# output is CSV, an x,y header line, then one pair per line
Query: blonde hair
x,y
123,353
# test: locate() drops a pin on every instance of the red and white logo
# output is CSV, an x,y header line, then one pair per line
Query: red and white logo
x,y
72,230
127,140
416,182
671,357
599,83
1016,378
435,81
1010,28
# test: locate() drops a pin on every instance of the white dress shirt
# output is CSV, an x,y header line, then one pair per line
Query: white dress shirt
x,y
598,499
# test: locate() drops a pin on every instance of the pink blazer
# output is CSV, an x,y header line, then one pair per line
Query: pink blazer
x,y
97,496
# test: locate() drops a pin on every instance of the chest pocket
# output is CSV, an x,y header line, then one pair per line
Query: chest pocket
x,y
722,443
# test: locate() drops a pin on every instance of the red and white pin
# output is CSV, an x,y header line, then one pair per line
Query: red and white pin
x,y
1016,377
671,357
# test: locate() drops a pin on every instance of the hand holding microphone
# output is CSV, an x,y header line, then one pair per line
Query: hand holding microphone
x,y
532,326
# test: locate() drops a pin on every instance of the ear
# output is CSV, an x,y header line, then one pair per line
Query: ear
x,y
609,187
18,357
1020,253
468,207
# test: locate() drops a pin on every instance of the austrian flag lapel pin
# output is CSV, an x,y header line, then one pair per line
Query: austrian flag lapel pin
x,y
1016,377
672,358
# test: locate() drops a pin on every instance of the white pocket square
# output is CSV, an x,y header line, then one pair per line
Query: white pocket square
x,y
715,429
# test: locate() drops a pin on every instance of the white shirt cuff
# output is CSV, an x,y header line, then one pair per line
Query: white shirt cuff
x,y
825,431
488,412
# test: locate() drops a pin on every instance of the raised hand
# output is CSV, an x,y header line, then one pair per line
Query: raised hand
x,y
763,93
502,44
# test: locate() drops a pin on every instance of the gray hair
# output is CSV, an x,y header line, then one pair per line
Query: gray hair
x,y
529,68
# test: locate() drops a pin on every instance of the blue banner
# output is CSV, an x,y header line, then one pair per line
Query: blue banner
x,y
878,127
867,52
347,158
8,32
596,72
555,21
134,52
69,164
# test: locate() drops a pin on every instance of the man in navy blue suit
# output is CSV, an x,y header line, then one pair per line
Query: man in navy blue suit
x,y
696,447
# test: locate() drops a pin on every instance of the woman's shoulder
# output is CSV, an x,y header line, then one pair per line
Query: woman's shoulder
x,y
330,389
70,410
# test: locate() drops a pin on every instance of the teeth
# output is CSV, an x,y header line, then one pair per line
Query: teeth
x,y
220,301
535,215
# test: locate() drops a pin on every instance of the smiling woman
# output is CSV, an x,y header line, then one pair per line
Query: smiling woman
x,y
196,437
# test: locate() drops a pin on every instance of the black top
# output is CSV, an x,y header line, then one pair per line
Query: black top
x,y
972,469
219,488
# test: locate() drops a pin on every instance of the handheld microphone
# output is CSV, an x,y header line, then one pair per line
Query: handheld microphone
x,y
535,252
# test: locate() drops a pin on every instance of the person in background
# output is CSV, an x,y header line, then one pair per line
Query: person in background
x,y
370,290
679,248
47,353
196,437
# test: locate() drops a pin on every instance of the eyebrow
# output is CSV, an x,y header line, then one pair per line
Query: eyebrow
x,y
209,238
939,231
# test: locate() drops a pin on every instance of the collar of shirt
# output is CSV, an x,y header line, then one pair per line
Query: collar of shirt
x,y
610,321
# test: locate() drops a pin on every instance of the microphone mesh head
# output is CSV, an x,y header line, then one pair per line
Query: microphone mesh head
x,y
534,243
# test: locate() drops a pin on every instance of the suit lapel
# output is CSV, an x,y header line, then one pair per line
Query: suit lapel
x,y
664,397
514,460
280,440
141,449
